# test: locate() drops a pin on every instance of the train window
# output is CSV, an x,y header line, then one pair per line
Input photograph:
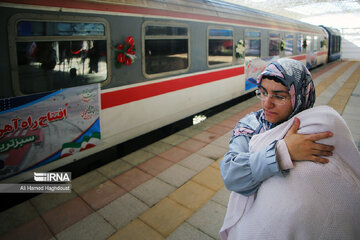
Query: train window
x,y
338,43
300,43
333,46
54,52
166,48
274,44
308,43
42,28
252,43
289,44
165,31
220,46
323,43
315,43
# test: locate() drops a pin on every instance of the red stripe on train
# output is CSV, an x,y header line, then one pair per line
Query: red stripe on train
x,y
119,97
321,53
299,58
303,57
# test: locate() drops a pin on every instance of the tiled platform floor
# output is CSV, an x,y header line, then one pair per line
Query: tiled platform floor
x,y
171,189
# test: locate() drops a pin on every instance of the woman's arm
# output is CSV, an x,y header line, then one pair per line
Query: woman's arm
x,y
303,147
242,171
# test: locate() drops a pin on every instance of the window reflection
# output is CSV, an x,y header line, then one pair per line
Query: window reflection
x,y
315,43
166,55
300,40
252,48
274,44
51,65
289,42
252,44
40,28
165,31
274,47
166,49
220,33
308,42
220,46
220,51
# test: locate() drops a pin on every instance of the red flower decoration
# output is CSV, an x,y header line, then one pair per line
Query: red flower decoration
x,y
130,51
121,58
125,53
304,44
130,40
128,61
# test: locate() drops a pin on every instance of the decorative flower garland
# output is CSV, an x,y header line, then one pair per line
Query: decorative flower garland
x,y
240,49
323,43
282,45
304,44
125,53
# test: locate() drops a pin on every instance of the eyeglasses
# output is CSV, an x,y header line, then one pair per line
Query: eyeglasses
x,y
275,99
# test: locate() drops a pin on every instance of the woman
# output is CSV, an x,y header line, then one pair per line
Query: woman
x,y
262,150
285,88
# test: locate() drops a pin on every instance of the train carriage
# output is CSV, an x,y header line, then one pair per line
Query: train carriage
x,y
156,62
334,49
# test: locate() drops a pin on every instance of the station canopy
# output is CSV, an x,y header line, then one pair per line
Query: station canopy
x,y
332,13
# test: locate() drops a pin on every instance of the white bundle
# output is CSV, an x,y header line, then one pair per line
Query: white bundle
x,y
314,201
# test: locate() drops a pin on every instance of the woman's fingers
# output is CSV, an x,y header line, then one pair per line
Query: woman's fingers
x,y
323,147
318,136
318,159
321,153
295,127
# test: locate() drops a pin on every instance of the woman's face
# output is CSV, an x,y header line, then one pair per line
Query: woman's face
x,y
275,111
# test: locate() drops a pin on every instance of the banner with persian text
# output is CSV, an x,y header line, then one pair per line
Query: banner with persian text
x,y
253,68
40,128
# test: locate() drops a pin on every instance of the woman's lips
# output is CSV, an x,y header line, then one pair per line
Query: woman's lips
x,y
269,113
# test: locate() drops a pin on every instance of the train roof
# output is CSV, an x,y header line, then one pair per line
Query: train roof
x,y
215,11
233,13
332,31
261,15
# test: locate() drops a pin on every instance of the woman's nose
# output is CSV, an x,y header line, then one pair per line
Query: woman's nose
x,y
267,102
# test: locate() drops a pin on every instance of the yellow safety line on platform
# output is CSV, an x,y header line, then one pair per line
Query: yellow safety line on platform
x,y
328,81
164,217
339,101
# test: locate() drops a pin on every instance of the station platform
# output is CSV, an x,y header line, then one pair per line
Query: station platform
x,y
171,189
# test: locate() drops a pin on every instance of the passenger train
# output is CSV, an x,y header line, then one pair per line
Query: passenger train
x,y
149,63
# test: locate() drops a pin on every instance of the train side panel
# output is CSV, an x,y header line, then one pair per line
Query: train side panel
x,y
142,97
138,117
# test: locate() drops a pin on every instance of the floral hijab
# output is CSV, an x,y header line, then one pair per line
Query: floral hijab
x,y
293,75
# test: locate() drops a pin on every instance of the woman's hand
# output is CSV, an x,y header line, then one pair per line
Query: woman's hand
x,y
303,147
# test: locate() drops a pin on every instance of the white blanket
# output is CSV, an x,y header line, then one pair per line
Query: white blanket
x,y
314,201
